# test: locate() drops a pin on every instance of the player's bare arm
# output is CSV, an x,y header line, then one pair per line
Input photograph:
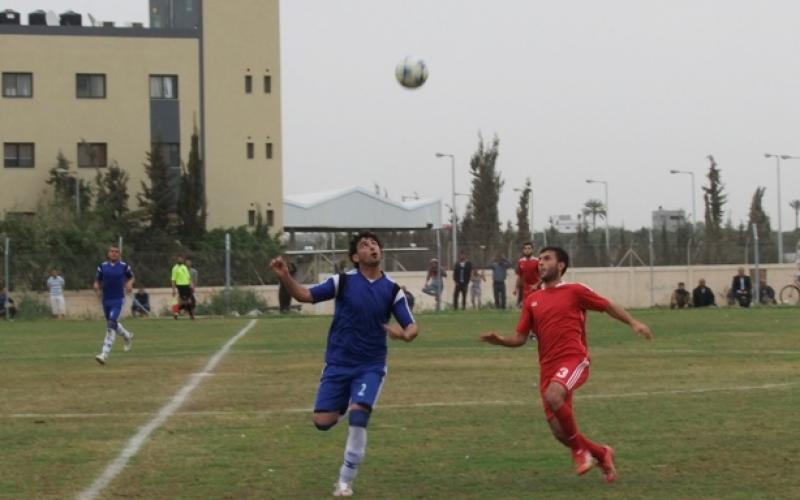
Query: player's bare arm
x,y
619,313
495,338
397,332
129,286
296,290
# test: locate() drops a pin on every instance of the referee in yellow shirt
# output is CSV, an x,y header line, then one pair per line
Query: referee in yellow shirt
x,y
182,286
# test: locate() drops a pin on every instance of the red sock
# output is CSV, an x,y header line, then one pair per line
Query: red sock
x,y
568,426
595,449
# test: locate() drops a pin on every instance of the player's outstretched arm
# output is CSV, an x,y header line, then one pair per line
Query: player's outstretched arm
x,y
296,290
397,332
495,338
618,312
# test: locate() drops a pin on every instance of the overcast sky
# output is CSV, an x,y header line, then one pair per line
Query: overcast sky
x,y
618,90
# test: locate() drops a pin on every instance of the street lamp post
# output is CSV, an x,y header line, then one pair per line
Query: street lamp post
x,y
454,221
605,191
694,207
778,159
530,210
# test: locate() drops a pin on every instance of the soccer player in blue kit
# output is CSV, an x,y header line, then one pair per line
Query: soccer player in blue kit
x,y
355,358
115,277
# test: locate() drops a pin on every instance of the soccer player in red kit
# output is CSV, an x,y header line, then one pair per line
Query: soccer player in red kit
x,y
557,313
527,273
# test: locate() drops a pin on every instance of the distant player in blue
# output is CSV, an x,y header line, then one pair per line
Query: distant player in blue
x,y
115,279
355,359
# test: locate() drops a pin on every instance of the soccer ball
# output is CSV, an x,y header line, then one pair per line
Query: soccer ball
x,y
411,73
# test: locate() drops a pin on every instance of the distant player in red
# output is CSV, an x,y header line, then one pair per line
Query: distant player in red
x,y
557,312
527,273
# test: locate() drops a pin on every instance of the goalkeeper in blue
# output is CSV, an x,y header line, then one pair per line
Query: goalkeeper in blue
x,y
355,357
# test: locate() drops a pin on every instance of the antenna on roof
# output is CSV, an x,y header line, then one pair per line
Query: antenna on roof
x,y
91,19
51,18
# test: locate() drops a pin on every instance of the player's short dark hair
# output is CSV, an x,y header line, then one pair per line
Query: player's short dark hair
x,y
561,256
360,236
526,243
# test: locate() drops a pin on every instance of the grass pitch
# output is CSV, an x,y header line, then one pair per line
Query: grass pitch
x,y
708,410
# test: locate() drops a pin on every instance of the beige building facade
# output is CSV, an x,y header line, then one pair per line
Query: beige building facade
x,y
103,94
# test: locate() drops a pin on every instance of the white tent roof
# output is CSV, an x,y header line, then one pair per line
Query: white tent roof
x,y
358,208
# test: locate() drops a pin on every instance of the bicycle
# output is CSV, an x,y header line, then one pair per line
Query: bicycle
x,y
790,294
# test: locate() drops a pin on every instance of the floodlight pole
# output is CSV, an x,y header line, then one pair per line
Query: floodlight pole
x,y
694,207
454,221
778,159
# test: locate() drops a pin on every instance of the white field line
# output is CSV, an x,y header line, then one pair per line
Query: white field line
x,y
430,404
136,442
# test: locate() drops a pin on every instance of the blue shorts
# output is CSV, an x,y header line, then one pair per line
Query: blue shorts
x,y
113,308
341,386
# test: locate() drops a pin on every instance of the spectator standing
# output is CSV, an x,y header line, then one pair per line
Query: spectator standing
x,y
55,283
742,288
462,273
284,297
434,281
680,297
702,296
499,268
475,288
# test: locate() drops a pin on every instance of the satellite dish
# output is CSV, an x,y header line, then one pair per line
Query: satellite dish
x,y
51,18
92,19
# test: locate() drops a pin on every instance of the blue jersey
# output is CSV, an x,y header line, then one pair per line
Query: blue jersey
x,y
357,336
112,277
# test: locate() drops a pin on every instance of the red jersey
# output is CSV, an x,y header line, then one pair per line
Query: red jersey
x,y
558,316
528,271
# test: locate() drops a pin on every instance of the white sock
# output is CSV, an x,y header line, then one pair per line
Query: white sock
x,y
122,331
109,341
353,453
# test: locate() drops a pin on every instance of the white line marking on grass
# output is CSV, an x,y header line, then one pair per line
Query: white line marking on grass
x,y
136,442
431,404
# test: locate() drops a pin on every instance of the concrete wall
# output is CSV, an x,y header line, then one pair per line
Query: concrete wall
x,y
629,286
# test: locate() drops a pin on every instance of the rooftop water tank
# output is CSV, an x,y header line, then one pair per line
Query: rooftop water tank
x,y
71,18
9,16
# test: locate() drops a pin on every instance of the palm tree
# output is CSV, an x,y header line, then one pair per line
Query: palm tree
x,y
594,208
795,204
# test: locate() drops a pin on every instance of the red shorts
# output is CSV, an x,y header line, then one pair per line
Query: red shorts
x,y
569,372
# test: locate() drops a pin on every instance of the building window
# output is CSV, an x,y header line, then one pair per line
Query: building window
x,y
270,218
170,153
269,151
91,86
250,150
251,218
163,87
18,154
17,84
92,154
248,84
267,84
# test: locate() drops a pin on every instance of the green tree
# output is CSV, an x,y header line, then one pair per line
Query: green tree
x,y
157,199
65,189
594,208
482,221
191,202
760,218
714,199
112,193
524,223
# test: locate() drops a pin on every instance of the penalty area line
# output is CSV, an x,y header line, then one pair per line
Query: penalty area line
x,y
135,443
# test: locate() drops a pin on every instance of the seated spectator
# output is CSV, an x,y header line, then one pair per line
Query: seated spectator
x,y
742,288
702,296
766,294
680,297
141,303
409,297
8,308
